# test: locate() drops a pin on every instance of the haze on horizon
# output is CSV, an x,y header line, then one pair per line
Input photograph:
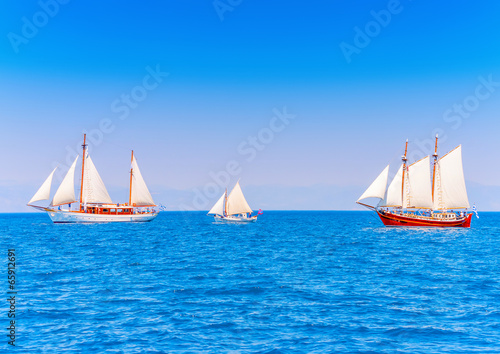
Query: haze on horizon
x,y
305,103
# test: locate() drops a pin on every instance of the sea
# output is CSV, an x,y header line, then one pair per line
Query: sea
x,y
294,282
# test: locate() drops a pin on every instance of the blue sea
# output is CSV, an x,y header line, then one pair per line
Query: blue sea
x,y
294,282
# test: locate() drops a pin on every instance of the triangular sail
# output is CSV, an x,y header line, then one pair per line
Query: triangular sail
x,y
65,194
140,195
218,208
449,189
419,176
393,196
94,190
43,192
377,188
236,202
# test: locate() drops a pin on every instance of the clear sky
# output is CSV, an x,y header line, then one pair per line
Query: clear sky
x,y
306,101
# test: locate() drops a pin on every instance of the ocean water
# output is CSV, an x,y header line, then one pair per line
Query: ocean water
x,y
294,282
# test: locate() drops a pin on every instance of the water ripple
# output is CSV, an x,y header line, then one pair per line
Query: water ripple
x,y
294,282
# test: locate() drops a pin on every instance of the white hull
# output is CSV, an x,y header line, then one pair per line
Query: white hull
x,y
62,216
233,218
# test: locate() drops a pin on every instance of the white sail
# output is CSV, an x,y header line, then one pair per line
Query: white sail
x,y
449,188
393,197
218,208
140,195
94,190
377,188
236,203
65,194
419,176
43,192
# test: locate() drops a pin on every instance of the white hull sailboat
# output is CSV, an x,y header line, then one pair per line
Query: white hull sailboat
x,y
235,218
95,204
233,208
66,216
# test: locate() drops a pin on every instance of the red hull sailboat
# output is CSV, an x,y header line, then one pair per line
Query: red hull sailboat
x,y
436,220
414,199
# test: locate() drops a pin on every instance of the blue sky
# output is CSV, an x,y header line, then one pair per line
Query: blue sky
x,y
66,69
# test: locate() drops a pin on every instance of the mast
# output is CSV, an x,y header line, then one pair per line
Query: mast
x,y
84,146
131,173
403,175
435,155
225,204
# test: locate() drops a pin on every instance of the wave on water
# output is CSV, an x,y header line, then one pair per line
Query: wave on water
x,y
294,282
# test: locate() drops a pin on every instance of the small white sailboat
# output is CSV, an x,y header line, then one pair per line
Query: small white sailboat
x,y
95,204
233,207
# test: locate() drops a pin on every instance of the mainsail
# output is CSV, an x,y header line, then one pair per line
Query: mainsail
x,y
416,192
218,208
449,187
94,190
236,202
65,194
377,188
139,194
419,176
393,197
43,192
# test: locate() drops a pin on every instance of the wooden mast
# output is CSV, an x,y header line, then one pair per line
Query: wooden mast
x,y
225,204
84,146
403,178
434,167
131,173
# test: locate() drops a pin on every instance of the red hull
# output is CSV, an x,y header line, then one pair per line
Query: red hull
x,y
390,219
